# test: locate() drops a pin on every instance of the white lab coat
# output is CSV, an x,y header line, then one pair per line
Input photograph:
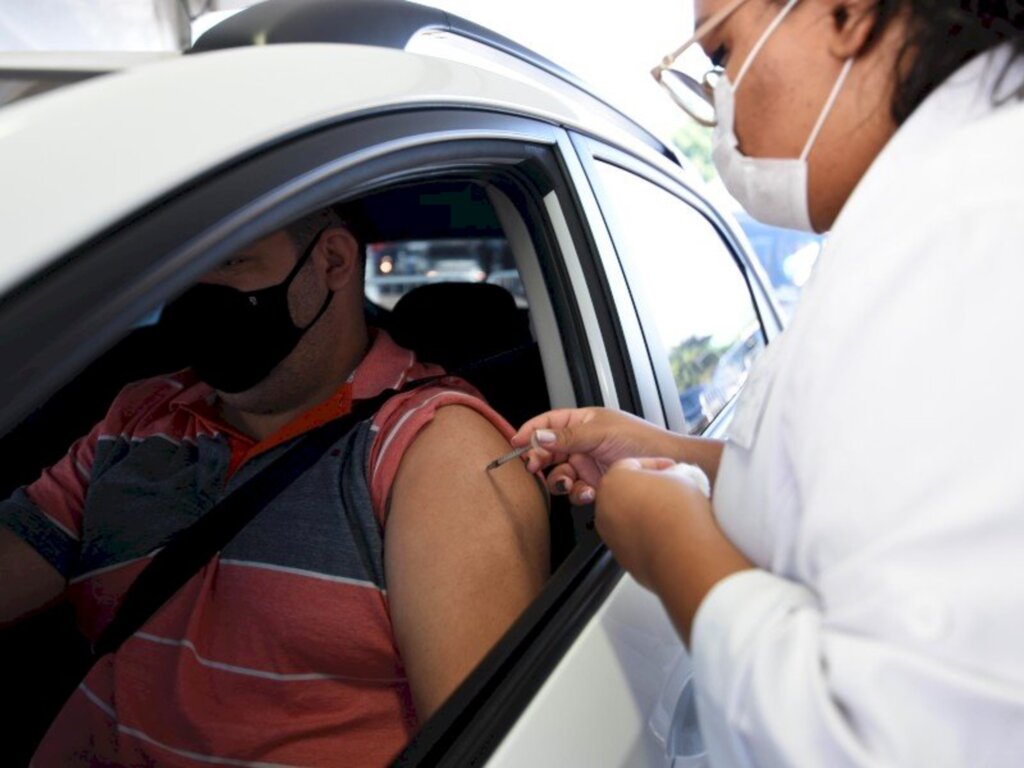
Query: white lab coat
x,y
875,474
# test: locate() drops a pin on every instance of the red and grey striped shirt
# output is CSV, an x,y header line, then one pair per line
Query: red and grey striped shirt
x,y
280,650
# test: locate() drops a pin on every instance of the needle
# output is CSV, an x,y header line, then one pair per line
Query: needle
x,y
508,457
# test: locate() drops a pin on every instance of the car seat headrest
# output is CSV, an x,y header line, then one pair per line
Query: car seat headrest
x,y
458,324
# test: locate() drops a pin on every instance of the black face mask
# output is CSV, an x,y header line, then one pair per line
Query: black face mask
x,y
234,339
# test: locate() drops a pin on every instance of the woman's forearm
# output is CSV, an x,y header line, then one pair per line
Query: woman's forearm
x,y
705,452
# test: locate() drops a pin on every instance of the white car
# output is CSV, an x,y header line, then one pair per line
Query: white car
x,y
126,179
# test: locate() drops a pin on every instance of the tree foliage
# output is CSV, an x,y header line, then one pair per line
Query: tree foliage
x,y
693,361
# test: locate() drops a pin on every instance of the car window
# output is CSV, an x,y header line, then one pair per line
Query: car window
x,y
700,316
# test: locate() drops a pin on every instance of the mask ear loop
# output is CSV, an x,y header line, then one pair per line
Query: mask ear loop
x,y
323,308
305,255
295,271
828,108
760,43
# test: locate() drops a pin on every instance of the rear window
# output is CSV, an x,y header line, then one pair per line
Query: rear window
x,y
395,268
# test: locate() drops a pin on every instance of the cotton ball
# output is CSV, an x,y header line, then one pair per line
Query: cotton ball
x,y
694,475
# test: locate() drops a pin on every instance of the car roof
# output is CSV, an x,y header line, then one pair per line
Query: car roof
x,y
86,155
382,23
399,24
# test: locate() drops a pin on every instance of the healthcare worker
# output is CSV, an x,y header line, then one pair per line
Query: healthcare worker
x,y
853,592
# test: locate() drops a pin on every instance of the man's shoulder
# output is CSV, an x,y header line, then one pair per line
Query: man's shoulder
x,y
430,387
421,402
402,419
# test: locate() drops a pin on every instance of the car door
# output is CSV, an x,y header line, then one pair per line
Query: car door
x,y
58,319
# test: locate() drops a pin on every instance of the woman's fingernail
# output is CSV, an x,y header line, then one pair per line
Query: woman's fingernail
x,y
545,436
561,486
587,495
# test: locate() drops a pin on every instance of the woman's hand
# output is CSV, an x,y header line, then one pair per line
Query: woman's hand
x,y
641,509
661,528
581,443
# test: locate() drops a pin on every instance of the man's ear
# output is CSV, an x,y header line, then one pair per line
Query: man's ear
x,y
340,251
853,21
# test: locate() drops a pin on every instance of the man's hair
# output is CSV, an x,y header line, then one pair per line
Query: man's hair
x,y
348,215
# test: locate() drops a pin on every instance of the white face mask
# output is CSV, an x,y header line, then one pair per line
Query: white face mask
x,y
772,190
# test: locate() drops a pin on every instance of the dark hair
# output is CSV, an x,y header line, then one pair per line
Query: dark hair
x,y
349,215
942,36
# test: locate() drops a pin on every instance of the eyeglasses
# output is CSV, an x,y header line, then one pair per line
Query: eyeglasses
x,y
695,96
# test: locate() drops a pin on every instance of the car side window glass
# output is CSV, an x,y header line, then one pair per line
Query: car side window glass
x,y
686,284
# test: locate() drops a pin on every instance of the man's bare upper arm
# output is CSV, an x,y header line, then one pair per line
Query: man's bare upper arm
x,y
466,551
28,582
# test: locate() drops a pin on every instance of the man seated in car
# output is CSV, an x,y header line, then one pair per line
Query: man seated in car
x,y
353,604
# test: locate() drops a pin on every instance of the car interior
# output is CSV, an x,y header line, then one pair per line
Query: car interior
x,y
455,278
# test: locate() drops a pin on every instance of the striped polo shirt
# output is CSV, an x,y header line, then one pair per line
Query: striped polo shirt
x,y
280,650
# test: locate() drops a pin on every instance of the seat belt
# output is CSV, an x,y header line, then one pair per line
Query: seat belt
x,y
191,548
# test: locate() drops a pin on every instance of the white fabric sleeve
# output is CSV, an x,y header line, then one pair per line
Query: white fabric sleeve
x,y
755,636
776,688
